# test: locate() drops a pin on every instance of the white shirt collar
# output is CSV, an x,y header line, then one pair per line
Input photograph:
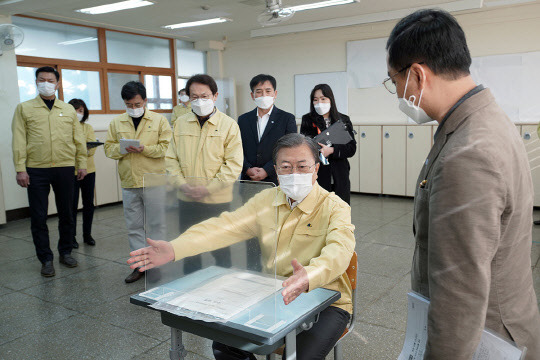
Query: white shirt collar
x,y
265,116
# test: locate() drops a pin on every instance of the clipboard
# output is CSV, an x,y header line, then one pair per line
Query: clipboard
x,y
336,134
124,143
93,144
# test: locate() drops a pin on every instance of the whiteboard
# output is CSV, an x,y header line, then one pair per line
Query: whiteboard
x,y
304,83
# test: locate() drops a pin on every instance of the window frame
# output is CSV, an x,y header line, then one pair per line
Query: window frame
x,y
104,67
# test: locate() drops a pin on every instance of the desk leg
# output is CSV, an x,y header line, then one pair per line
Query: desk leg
x,y
177,351
290,346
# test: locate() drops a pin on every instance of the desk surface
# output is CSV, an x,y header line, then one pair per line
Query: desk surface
x,y
265,323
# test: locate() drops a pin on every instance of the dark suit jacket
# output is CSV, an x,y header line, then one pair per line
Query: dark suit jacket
x,y
259,154
339,165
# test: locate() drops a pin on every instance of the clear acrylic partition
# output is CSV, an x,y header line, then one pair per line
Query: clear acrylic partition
x,y
235,283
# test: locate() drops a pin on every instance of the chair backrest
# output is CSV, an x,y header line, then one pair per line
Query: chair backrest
x,y
352,270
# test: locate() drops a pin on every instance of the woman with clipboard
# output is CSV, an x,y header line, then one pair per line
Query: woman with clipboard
x,y
86,185
323,112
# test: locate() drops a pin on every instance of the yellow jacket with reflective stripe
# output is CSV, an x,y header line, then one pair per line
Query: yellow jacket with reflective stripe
x,y
318,233
153,132
89,135
44,138
213,152
179,110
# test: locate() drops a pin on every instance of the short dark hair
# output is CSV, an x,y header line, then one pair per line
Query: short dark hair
x,y
292,140
77,103
433,37
202,79
261,78
48,69
132,89
327,92
182,90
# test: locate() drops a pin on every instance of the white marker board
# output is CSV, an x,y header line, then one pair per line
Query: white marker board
x,y
304,83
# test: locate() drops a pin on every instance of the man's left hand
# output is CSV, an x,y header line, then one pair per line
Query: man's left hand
x,y
296,284
134,149
81,173
199,192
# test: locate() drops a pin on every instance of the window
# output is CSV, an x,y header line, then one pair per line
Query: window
x,y
189,61
83,85
116,81
159,91
138,50
27,82
56,40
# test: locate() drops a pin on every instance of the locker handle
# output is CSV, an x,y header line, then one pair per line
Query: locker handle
x,y
386,135
363,134
527,136
411,135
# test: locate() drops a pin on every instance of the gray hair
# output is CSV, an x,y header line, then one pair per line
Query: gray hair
x,y
293,140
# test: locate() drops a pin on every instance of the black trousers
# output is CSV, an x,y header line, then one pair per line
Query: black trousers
x,y
340,173
41,180
192,213
313,344
86,187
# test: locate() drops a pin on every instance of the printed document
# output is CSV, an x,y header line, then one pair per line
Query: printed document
x,y
491,346
124,143
226,296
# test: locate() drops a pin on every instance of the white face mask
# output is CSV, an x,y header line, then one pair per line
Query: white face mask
x,y
202,107
264,102
135,113
415,112
46,88
80,116
184,98
296,186
322,108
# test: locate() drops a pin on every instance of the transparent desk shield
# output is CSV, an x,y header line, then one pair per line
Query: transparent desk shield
x,y
224,238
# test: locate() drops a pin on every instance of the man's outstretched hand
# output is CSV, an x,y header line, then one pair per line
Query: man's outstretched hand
x,y
296,284
158,253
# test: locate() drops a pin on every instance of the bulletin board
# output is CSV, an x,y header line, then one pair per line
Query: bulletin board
x,y
304,83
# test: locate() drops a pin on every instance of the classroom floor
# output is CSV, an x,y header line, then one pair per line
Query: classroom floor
x,y
85,312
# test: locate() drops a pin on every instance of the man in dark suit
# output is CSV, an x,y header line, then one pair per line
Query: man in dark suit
x,y
261,128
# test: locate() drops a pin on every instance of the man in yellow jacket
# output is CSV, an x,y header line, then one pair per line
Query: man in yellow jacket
x,y
153,132
48,142
206,156
181,109
315,242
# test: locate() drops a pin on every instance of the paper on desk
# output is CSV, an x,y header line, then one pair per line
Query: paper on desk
x,y
124,143
222,298
491,346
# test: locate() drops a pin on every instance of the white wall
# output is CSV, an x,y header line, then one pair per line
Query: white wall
x,y
495,31
14,195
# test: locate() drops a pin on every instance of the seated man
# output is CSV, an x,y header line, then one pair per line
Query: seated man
x,y
315,242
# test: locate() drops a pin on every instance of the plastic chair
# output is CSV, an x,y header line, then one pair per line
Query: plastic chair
x,y
352,273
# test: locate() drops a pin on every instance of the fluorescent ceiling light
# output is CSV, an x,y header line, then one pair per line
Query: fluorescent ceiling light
x,y
78,41
197,23
320,4
122,5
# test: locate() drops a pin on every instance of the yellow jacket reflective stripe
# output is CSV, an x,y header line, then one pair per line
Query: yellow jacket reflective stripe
x,y
213,152
44,138
89,135
153,132
179,110
318,232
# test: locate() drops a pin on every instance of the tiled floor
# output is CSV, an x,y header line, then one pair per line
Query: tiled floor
x,y
84,313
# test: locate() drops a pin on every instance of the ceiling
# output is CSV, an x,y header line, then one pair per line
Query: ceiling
x,y
149,19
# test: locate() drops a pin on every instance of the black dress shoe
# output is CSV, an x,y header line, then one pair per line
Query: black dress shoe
x,y
47,269
89,240
134,276
68,260
536,222
75,244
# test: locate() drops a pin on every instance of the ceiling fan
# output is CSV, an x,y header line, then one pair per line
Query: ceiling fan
x,y
274,13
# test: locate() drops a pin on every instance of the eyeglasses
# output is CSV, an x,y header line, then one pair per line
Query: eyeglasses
x,y
288,169
389,83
